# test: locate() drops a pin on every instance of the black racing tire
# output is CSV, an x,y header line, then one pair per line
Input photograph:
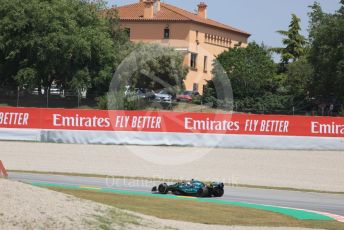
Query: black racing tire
x,y
163,188
203,192
218,192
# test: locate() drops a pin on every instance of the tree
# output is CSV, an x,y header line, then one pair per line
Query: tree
x,y
155,67
299,75
62,41
149,66
316,17
294,43
327,53
122,48
251,71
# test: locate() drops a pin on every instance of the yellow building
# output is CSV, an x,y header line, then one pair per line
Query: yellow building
x,y
200,38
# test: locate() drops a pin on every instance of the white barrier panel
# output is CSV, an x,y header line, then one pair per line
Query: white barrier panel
x,y
20,134
194,140
174,139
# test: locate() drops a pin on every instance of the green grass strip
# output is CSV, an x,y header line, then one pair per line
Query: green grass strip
x,y
297,214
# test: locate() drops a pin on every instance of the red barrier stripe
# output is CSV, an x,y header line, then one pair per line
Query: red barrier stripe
x,y
153,121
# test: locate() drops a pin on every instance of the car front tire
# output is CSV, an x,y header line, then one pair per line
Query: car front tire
x,y
218,192
163,188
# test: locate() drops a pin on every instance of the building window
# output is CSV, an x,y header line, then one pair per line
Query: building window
x,y
127,31
205,68
193,62
166,33
195,87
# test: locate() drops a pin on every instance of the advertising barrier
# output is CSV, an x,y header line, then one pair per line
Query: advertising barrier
x,y
171,128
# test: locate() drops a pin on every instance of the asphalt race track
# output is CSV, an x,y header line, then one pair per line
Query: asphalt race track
x,y
321,202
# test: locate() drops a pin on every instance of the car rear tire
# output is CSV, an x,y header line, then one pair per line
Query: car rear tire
x,y
203,192
163,188
218,192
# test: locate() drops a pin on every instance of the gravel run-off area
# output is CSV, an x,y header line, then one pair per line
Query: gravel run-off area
x,y
24,206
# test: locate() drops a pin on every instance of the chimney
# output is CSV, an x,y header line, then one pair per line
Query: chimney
x,y
148,11
157,6
202,10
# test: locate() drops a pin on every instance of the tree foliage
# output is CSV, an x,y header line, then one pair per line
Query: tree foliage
x,y
294,43
148,66
63,41
299,76
256,83
251,71
327,52
155,67
122,48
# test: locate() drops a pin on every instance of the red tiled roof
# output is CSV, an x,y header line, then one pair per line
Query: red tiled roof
x,y
134,12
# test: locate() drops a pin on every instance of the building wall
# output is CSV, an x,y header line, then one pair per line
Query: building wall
x,y
149,32
210,49
193,37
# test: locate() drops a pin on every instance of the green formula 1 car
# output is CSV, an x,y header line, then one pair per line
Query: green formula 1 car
x,y
192,188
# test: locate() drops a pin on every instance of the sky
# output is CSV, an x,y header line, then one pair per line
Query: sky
x,y
261,18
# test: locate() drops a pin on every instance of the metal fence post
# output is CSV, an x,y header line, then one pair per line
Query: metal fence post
x,y
47,97
18,96
78,98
